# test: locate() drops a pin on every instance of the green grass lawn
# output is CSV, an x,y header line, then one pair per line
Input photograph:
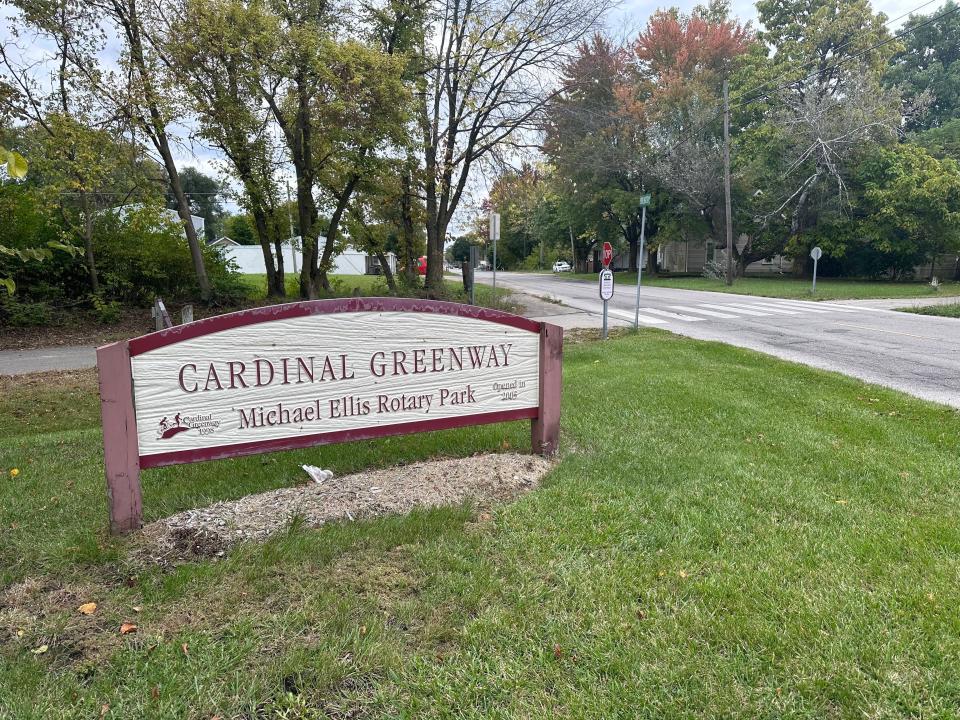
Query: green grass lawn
x,y
827,289
372,286
343,285
725,535
945,310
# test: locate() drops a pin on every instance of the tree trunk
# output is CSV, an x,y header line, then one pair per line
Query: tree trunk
x,y
632,235
307,217
279,277
320,269
651,270
263,235
408,253
88,242
183,209
157,129
387,272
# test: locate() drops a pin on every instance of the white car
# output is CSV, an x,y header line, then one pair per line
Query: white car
x,y
562,266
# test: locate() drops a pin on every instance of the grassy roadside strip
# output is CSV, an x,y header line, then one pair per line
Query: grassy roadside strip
x,y
725,535
827,289
951,310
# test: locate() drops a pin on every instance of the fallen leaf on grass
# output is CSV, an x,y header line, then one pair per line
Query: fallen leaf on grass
x,y
127,628
186,649
840,502
557,652
14,472
40,650
155,692
104,709
87,608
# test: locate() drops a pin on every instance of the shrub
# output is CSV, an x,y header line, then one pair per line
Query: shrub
x,y
15,312
142,253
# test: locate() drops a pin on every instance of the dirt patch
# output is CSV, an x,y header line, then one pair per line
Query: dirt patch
x,y
41,616
211,531
77,328
83,381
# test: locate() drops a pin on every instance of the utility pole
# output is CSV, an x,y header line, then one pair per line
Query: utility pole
x,y
643,228
726,178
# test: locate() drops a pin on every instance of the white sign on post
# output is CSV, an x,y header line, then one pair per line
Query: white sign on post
x,y
606,284
816,254
606,292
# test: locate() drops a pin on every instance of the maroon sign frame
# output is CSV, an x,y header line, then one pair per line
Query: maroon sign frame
x,y
122,460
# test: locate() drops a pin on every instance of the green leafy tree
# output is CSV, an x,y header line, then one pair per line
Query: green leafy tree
x,y
239,228
483,84
213,44
927,68
204,193
910,206
593,142
828,105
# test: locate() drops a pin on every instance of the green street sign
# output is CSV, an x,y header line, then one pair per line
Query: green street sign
x,y
645,200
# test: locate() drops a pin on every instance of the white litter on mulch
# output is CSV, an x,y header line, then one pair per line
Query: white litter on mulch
x,y
210,531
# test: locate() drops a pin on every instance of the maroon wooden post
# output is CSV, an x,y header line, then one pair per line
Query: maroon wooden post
x,y
545,428
121,453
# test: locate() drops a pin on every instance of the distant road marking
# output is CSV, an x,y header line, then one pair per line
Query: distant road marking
x,y
810,306
670,315
733,309
708,313
767,308
643,318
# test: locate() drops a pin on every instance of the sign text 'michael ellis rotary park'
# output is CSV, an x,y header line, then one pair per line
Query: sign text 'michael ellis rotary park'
x,y
318,372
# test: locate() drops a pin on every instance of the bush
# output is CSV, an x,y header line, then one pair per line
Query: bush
x,y
714,270
106,311
142,253
24,313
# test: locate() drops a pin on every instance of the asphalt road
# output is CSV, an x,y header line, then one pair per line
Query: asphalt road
x,y
917,354
68,357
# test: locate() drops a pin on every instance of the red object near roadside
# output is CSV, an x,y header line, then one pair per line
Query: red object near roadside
x,y
422,265
607,254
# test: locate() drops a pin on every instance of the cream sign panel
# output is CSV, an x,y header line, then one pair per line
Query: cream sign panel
x,y
325,373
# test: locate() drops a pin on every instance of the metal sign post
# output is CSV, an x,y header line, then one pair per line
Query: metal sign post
x,y
644,201
474,261
816,254
494,236
606,282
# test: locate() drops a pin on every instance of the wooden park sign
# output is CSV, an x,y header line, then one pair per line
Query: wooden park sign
x,y
312,373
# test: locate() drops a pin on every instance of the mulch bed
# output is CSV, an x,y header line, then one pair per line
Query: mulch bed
x,y
211,531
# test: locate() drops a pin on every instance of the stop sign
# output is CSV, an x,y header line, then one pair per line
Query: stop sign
x,y
607,256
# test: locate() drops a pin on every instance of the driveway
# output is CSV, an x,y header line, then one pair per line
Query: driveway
x,y
917,354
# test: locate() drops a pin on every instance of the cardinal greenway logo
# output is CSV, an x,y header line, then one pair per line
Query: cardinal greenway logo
x,y
171,426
